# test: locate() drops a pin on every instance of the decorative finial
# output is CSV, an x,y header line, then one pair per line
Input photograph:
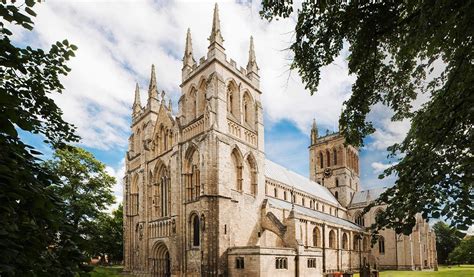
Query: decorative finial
x,y
188,59
163,94
169,105
252,63
153,88
216,36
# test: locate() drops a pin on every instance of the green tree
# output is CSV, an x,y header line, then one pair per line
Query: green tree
x,y
447,238
85,188
464,252
107,238
395,47
29,209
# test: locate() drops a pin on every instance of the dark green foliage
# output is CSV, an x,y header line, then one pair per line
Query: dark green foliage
x,y
447,238
84,187
34,239
398,50
107,237
463,253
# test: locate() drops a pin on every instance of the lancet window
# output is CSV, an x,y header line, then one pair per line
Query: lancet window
x,y
192,176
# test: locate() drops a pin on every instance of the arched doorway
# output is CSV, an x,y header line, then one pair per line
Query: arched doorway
x,y
160,261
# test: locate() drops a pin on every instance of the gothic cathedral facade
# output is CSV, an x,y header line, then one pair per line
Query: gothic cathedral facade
x,y
201,199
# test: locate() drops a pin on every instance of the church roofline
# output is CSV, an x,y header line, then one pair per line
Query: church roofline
x,y
228,64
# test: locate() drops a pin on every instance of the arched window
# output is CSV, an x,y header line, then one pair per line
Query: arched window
x,y
345,242
236,159
275,192
321,161
194,104
284,195
162,194
302,201
316,237
334,153
365,244
381,245
192,175
336,194
332,239
201,98
248,109
196,232
355,242
337,182
133,200
328,158
359,219
233,101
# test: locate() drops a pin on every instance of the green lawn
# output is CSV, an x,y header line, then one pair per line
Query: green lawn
x,y
109,271
454,271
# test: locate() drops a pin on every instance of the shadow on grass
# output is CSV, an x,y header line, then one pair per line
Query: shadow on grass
x,y
108,271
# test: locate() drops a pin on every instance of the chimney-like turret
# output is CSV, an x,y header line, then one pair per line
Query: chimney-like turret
x,y
252,67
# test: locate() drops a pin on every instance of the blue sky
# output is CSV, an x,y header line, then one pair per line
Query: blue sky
x,y
118,42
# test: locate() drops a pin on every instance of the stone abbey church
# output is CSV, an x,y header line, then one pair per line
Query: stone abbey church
x,y
201,199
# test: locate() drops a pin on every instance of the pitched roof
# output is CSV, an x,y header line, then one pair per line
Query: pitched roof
x,y
367,196
277,203
283,175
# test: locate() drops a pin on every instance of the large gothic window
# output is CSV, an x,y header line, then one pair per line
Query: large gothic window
x,y
316,237
334,153
248,110
192,176
236,174
233,100
133,196
201,98
165,195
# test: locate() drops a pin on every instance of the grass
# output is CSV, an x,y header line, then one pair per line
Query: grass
x,y
109,271
443,271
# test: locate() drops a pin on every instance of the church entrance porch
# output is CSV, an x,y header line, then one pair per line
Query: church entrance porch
x,y
160,261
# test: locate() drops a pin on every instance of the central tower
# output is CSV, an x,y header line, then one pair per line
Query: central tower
x,y
334,165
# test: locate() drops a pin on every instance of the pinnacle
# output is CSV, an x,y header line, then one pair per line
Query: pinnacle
x,y
188,59
216,36
252,63
153,88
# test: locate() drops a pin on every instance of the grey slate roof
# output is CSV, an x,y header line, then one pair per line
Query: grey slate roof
x,y
277,203
367,196
283,175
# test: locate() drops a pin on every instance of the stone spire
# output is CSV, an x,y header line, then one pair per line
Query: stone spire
x,y
153,88
252,66
216,42
216,36
188,59
314,132
137,106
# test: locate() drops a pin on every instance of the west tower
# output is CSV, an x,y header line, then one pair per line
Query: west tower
x,y
334,165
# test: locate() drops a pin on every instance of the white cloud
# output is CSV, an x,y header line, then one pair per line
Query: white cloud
x,y
379,167
118,173
118,41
